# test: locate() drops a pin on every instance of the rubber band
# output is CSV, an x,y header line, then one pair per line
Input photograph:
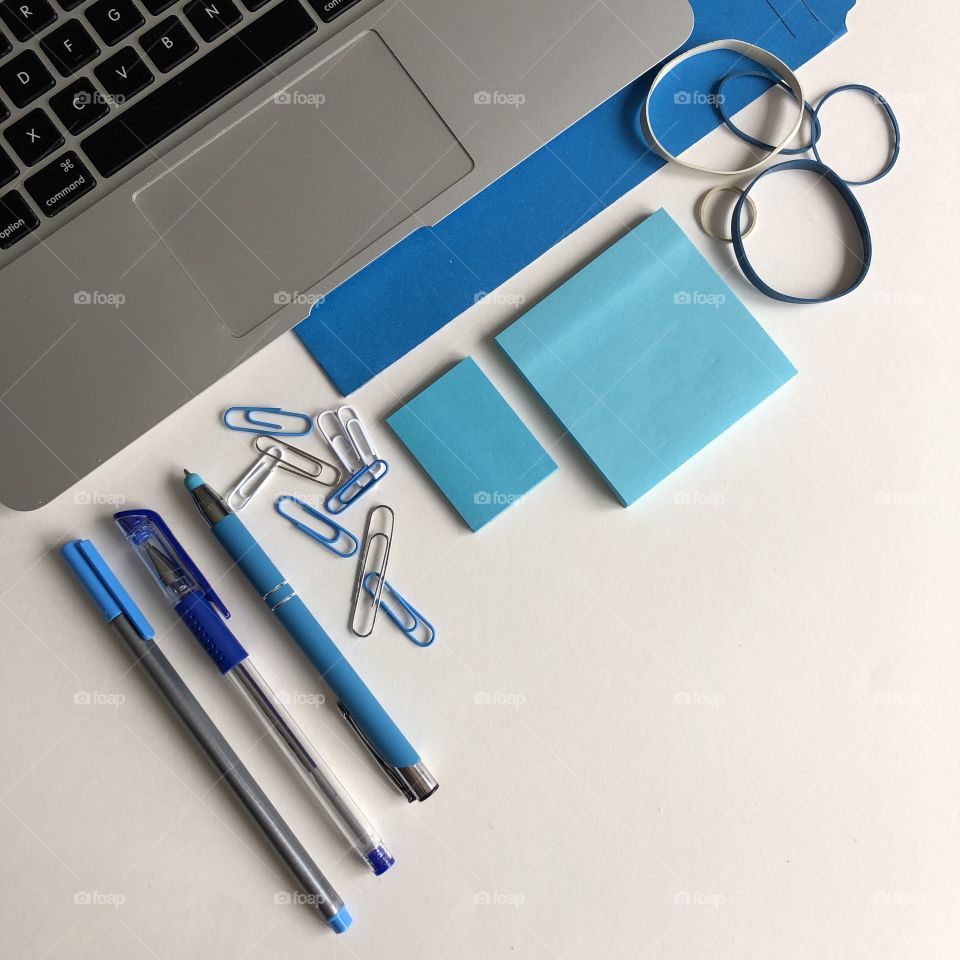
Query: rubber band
x,y
894,126
702,202
743,135
752,52
846,194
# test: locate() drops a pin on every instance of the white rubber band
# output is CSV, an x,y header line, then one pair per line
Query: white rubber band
x,y
750,51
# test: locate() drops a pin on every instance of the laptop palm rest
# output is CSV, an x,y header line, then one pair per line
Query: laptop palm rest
x,y
307,180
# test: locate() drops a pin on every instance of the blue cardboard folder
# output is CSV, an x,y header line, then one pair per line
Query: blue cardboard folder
x,y
409,293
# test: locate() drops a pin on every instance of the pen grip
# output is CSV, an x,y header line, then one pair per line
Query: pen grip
x,y
392,746
223,648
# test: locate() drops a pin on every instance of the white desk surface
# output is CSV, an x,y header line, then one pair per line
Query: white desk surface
x,y
722,723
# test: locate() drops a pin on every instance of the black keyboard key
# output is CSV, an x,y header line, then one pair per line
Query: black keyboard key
x,y
69,47
79,105
4,111
33,137
69,4
328,10
26,18
254,4
5,46
8,169
157,6
210,18
200,84
60,183
24,78
168,44
16,219
114,19
124,74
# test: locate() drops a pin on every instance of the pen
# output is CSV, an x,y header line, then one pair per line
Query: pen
x,y
201,610
124,616
359,707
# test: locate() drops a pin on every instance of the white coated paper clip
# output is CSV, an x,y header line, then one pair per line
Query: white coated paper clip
x,y
246,487
351,444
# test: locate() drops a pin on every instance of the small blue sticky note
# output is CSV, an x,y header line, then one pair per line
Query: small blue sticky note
x,y
645,356
475,448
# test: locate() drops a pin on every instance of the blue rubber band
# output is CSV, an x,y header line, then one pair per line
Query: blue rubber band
x,y
743,135
846,194
894,126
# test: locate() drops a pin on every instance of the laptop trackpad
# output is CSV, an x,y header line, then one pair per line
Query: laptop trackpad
x,y
304,182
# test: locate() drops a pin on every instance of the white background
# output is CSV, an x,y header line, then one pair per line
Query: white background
x,y
721,723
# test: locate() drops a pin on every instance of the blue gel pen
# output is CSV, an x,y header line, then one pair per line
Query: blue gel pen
x,y
359,707
203,611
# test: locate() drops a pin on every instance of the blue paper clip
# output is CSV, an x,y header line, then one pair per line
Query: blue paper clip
x,y
351,491
251,424
418,623
352,544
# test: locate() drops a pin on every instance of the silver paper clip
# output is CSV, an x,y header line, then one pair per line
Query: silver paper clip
x,y
315,469
371,535
244,489
298,424
340,542
417,628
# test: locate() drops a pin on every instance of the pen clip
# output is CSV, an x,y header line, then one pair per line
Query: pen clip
x,y
391,773
130,521
103,586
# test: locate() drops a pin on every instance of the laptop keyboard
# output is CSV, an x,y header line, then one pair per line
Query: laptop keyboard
x,y
125,106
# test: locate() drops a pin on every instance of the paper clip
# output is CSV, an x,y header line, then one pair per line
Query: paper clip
x,y
351,543
369,536
244,489
314,472
356,486
348,438
248,423
404,611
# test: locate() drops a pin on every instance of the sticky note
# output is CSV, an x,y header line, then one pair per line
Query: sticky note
x,y
645,356
472,444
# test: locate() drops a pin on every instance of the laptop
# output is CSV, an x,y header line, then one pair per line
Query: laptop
x,y
181,179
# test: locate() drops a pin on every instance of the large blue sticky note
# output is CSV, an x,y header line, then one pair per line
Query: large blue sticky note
x,y
476,449
436,273
645,356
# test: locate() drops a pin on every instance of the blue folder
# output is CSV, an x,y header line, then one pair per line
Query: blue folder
x,y
405,296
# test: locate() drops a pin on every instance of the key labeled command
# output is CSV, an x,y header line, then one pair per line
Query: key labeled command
x,y
60,183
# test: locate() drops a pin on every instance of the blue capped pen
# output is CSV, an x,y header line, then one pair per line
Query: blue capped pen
x,y
118,609
359,707
199,607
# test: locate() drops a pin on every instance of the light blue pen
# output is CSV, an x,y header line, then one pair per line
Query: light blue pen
x,y
360,708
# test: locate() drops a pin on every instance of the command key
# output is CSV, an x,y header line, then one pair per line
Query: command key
x,y
59,183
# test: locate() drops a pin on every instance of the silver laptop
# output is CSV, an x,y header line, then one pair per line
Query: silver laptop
x,y
178,178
